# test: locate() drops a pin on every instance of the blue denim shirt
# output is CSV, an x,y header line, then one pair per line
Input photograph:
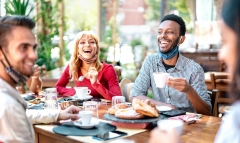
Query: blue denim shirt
x,y
185,68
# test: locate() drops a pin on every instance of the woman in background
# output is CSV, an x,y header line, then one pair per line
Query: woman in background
x,y
100,77
229,130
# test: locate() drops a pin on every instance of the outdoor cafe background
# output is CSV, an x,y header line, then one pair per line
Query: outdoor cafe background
x,y
127,28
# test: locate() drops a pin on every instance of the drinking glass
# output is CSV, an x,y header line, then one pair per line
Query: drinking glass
x,y
117,100
51,98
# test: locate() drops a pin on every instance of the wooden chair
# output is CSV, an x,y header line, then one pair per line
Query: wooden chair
x,y
212,95
223,67
118,71
220,97
126,86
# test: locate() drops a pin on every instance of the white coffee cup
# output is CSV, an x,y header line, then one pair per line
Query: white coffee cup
x,y
86,117
160,79
171,124
82,91
91,106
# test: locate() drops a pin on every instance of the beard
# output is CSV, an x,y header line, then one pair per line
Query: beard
x,y
173,45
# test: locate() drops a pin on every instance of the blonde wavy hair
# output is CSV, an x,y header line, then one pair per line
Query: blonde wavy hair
x,y
75,62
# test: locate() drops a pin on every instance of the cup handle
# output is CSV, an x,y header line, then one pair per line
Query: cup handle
x,y
89,91
170,77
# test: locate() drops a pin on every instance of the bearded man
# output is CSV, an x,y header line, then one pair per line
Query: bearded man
x,y
186,89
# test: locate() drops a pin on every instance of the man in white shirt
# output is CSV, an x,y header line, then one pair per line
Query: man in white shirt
x,y
17,59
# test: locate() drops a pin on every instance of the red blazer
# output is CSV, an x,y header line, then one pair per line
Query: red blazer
x,y
107,87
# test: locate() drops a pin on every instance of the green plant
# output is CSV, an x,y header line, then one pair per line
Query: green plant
x,y
153,11
48,29
136,42
18,7
154,6
103,54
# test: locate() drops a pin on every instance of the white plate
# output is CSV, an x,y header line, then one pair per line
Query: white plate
x,y
83,98
94,122
163,108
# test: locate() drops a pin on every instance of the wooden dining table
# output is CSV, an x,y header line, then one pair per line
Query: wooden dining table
x,y
203,131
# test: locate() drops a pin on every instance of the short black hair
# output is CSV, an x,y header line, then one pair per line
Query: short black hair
x,y
177,19
5,32
7,23
18,20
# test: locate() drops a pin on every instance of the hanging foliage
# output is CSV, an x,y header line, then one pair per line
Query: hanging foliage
x,y
48,25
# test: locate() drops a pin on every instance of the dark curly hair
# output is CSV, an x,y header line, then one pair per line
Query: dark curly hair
x,y
177,19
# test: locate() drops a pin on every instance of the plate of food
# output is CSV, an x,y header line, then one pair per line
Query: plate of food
x,y
140,112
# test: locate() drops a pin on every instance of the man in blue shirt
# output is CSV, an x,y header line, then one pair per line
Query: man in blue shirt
x,y
186,89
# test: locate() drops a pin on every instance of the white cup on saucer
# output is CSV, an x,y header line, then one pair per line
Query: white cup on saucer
x,y
86,117
160,79
91,106
166,125
82,92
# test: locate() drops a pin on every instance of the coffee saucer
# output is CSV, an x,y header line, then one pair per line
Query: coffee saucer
x,y
87,97
94,122
163,108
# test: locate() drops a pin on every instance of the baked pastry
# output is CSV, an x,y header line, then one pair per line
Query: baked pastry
x,y
151,104
128,113
145,108
113,109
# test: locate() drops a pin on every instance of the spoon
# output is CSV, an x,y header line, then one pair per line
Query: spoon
x,y
81,78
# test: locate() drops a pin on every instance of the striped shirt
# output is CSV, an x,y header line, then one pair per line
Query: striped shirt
x,y
185,68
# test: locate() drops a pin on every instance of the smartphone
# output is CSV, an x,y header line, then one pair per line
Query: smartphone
x,y
109,135
174,113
